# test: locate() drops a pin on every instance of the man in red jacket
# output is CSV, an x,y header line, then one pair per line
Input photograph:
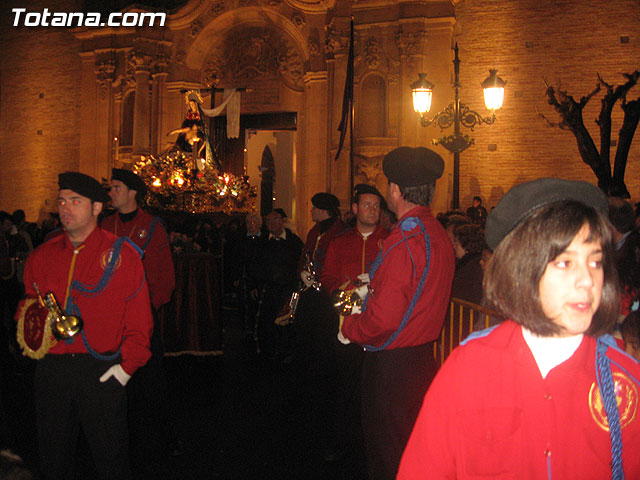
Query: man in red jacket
x,y
348,260
404,310
80,381
151,429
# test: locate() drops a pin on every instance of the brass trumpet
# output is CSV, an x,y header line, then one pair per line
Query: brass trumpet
x,y
344,300
63,326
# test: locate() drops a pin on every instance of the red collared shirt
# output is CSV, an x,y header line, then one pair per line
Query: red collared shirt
x,y
396,281
157,260
118,317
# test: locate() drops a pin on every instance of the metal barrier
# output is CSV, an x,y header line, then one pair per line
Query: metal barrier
x,y
462,318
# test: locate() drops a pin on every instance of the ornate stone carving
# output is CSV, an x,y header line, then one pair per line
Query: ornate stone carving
x,y
298,19
196,28
252,53
335,40
105,71
314,47
411,43
312,6
217,8
372,53
139,61
181,56
161,62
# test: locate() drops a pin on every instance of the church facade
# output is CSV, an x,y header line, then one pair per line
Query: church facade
x,y
102,97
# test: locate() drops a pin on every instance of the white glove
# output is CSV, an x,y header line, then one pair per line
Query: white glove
x,y
362,292
118,372
364,278
306,278
342,339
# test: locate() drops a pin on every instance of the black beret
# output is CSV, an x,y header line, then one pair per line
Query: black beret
x,y
522,200
411,167
130,179
363,188
325,201
84,185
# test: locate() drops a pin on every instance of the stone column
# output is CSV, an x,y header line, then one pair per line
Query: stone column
x,y
105,68
141,64
312,177
158,98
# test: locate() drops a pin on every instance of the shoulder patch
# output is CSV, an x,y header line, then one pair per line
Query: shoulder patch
x,y
478,334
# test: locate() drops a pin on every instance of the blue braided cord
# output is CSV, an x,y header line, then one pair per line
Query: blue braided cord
x,y
607,391
138,250
92,291
154,222
378,261
635,306
92,352
137,291
416,296
478,334
413,264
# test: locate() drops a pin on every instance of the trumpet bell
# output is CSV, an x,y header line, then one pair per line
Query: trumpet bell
x,y
344,301
67,326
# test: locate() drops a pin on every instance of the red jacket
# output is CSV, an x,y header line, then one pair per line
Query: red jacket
x,y
349,255
396,281
318,240
119,316
489,413
157,261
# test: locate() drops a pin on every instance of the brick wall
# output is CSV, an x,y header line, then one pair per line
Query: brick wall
x,y
528,41
39,109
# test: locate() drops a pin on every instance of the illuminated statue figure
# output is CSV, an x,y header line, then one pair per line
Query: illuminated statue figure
x,y
193,135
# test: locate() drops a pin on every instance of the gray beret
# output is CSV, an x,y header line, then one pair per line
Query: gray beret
x,y
411,167
522,200
84,185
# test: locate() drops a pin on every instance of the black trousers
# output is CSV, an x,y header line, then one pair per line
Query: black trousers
x,y
394,383
70,396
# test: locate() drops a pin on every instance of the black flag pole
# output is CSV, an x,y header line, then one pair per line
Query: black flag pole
x,y
348,108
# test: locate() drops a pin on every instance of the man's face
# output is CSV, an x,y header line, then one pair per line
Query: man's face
x,y
476,203
78,214
253,224
317,215
120,194
274,223
367,210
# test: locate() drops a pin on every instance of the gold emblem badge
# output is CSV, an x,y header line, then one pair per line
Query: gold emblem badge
x,y
626,398
142,233
34,329
106,257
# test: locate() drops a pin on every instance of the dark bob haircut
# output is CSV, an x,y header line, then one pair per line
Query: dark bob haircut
x,y
512,277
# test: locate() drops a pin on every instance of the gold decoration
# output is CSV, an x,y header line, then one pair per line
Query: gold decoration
x,y
174,183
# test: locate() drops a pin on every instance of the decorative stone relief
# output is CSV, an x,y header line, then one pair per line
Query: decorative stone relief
x,y
316,6
181,56
411,43
298,19
372,54
217,8
314,48
369,170
161,62
335,41
105,71
196,28
255,52
139,61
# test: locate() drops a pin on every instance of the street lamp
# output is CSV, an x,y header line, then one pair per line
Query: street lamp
x,y
456,114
